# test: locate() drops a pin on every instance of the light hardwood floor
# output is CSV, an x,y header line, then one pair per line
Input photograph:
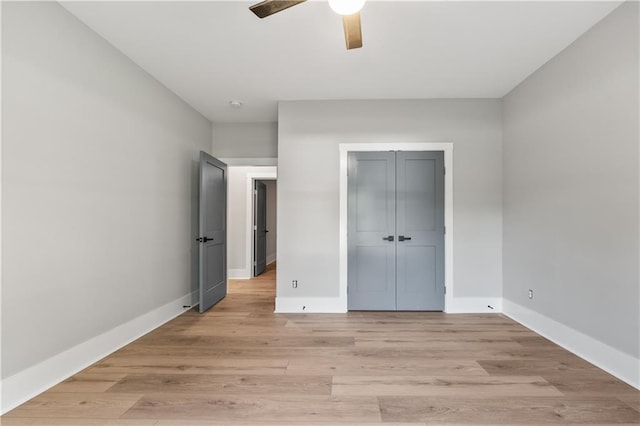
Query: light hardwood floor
x,y
242,364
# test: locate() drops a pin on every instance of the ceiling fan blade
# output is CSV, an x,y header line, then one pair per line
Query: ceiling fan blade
x,y
269,7
352,30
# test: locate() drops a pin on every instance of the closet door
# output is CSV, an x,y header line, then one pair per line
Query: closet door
x,y
420,231
371,231
396,231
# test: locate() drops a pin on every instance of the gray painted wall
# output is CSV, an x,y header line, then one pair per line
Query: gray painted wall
x,y
97,189
245,140
571,185
308,184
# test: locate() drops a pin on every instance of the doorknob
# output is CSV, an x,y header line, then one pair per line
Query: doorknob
x,y
403,238
204,239
389,238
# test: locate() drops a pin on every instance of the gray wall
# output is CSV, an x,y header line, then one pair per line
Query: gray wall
x,y
245,140
308,184
97,190
571,185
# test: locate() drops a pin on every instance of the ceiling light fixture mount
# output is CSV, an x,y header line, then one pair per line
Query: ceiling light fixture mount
x,y
346,7
349,9
236,104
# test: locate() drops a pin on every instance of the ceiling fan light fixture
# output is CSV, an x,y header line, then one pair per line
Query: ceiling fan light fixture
x,y
346,7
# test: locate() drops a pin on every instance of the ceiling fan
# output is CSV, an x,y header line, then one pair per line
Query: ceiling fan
x,y
349,9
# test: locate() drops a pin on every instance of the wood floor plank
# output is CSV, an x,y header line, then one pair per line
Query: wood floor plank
x,y
276,341
223,384
283,422
31,421
189,365
632,400
76,405
534,367
512,411
87,382
590,383
66,421
291,408
379,366
441,386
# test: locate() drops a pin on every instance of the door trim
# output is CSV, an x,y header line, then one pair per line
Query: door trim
x,y
447,148
269,173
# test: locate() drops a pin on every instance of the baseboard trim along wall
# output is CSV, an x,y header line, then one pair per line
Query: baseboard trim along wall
x,y
624,366
460,305
320,305
28,383
238,274
474,305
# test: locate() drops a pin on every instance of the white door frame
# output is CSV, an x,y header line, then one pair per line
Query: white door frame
x,y
447,147
269,173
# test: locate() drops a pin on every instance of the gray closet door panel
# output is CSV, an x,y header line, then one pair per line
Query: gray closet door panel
x,y
371,218
419,212
374,279
373,208
417,279
420,217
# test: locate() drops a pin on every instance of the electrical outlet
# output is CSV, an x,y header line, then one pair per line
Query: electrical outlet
x,y
530,294
294,283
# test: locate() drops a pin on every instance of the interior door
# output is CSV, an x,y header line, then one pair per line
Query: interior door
x,y
396,231
420,230
212,231
371,232
260,228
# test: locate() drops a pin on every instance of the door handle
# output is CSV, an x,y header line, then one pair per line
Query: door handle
x,y
389,238
203,239
403,238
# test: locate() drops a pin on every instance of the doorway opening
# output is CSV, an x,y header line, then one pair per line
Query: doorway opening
x,y
264,227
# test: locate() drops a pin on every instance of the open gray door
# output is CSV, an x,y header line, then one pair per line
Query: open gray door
x,y
212,231
260,229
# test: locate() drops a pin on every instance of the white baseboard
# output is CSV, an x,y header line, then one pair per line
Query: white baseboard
x,y
28,383
238,274
474,305
461,305
271,258
316,305
622,365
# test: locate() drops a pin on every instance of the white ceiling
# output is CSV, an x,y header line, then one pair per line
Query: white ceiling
x,y
210,52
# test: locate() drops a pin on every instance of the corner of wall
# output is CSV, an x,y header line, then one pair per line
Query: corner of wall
x,y
622,365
